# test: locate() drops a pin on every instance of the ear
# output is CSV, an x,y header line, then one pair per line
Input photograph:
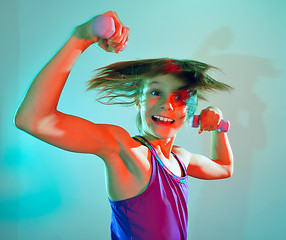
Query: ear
x,y
137,102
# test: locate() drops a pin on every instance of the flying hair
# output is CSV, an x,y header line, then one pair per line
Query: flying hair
x,y
122,82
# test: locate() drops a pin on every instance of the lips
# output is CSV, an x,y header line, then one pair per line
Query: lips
x,y
162,119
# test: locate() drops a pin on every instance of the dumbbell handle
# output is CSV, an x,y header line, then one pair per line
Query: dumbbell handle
x,y
103,26
223,126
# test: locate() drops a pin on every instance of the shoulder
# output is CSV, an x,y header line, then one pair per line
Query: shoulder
x,y
183,154
118,137
190,159
109,140
121,146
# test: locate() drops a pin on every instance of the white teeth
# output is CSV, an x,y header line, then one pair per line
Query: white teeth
x,y
163,119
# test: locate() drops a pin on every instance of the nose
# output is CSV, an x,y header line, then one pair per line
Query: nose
x,y
167,104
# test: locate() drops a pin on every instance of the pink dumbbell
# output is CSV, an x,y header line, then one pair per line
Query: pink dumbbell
x,y
104,26
223,126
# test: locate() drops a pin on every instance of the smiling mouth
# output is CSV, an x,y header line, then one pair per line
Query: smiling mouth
x,y
160,119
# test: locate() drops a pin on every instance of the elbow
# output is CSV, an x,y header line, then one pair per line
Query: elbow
x,y
225,175
229,167
18,121
37,126
23,123
229,172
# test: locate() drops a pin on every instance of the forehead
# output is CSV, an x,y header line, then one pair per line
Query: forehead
x,y
168,82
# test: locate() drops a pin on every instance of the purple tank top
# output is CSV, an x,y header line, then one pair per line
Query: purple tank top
x,y
160,212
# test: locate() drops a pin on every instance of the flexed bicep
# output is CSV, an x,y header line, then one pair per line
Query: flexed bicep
x,y
37,114
76,134
205,168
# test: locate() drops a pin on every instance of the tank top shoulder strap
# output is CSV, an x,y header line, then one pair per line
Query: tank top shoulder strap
x,y
181,162
154,153
144,142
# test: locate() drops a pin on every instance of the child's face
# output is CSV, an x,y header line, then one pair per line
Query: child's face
x,y
163,106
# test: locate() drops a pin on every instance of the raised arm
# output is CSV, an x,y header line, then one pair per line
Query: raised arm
x,y
220,165
38,114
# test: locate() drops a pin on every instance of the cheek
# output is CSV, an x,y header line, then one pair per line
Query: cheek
x,y
148,104
150,101
185,109
182,111
144,110
182,114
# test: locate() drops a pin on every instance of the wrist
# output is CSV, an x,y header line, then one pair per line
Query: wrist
x,y
85,35
79,43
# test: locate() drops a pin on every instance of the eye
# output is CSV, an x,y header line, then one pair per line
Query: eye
x,y
178,97
156,93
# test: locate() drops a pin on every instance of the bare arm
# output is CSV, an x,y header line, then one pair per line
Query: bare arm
x,y
38,114
221,163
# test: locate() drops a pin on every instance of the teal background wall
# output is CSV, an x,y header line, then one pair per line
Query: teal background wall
x,y
50,194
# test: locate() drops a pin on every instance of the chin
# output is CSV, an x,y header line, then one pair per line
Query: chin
x,y
160,131
161,134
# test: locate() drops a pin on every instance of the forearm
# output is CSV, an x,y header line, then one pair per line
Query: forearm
x,y
221,150
43,94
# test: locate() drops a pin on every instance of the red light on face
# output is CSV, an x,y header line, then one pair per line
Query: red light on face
x,y
180,97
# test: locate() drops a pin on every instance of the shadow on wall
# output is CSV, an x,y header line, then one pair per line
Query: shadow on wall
x,y
225,203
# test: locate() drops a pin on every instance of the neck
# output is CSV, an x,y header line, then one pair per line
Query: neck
x,y
163,146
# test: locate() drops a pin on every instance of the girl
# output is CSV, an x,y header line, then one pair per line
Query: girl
x,y
146,174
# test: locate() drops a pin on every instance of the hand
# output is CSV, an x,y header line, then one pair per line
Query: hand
x,y
116,43
210,118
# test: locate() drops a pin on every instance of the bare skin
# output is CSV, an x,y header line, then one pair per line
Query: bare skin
x,y
127,162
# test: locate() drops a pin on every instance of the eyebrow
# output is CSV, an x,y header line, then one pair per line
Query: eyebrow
x,y
186,87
